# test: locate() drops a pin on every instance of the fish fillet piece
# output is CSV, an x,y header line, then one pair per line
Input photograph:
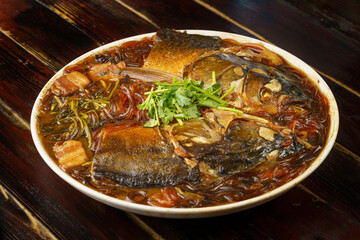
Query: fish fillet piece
x,y
173,51
243,147
138,157
192,136
257,87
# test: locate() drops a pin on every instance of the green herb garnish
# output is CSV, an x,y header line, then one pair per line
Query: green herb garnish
x,y
180,100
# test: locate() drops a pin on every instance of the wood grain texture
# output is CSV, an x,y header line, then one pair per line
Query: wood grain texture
x,y
182,15
340,16
335,181
39,37
104,21
16,221
294,215
306,38
349,131
43,33
22,76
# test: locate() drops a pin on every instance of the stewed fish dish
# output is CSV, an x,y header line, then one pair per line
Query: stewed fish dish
x,y
183,120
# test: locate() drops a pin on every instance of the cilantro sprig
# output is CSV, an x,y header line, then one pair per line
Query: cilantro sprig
x,y
180,100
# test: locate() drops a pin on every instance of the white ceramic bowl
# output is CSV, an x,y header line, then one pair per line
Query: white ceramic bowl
x,y
205,211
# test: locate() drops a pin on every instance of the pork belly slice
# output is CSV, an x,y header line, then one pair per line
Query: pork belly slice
x,y
173,51
70,83
138,157
70,153
105,71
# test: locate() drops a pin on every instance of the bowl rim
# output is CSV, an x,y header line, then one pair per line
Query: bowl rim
x,y
202,211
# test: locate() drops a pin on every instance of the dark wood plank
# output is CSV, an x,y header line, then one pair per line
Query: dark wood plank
x,y
104,21
234,226
342,16
338,181
298,216
22,76
43,33
295,215
294,31
184,14
17,222
349,130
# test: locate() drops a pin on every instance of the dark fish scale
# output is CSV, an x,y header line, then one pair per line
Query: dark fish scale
x,y
139,157
173,51
188,40
242,148
201,71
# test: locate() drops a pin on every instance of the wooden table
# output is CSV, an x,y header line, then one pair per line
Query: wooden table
x,y
38,37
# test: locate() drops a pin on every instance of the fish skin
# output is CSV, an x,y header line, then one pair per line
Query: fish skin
x,y
202,69
139,157
173,51
241,148
186,135
255,76
225,62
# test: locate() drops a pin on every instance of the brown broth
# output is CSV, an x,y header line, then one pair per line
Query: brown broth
x,y
225,189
